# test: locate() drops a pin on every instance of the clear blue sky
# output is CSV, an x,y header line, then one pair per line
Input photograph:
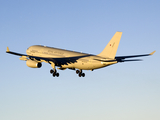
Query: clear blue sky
x,y
125,91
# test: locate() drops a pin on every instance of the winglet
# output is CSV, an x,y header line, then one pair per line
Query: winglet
x,y
7,49
152,53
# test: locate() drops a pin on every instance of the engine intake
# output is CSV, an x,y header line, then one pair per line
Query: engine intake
x,y
33,64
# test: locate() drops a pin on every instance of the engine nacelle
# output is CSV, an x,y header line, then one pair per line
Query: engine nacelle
x,y
33,64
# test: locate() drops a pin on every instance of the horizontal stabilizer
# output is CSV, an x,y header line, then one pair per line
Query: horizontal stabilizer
x,y
118,60
130,60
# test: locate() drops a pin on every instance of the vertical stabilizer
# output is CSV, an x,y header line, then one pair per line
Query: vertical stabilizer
x,y
111,48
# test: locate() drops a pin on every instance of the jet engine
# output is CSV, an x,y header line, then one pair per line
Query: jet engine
x,y
33,64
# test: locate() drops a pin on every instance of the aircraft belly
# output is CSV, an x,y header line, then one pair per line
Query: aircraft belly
x,y
84,66
93,65
88,66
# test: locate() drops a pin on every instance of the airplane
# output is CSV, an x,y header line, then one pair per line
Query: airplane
x,y
66,59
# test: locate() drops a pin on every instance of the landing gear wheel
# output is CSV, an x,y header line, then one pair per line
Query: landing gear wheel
x,y
54,74
51,71
83,74
80,74
57,74
77,71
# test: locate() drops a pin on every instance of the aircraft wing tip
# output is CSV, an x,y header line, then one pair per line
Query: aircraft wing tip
x,y
152,53
119,32
7,49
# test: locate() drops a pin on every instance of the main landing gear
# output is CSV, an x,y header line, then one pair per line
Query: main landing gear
x,y
55,73
80,74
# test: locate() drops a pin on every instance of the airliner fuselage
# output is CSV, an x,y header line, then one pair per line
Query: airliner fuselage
x,y
84,61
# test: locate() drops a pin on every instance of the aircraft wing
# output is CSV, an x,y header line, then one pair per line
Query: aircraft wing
x,y
122,58
132,56
14,53
57,61
31,57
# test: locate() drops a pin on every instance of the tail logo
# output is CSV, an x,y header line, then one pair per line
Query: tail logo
x,y
112,45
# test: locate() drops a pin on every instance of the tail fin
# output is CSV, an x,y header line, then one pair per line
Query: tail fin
x,y
111,48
